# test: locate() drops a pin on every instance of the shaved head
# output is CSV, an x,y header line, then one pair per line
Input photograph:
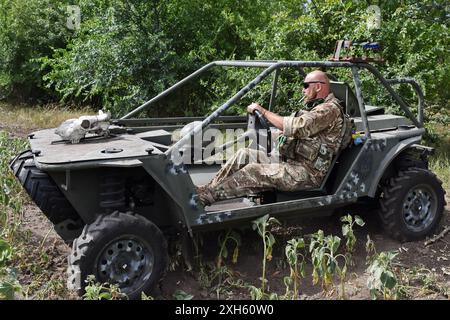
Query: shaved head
x,y
319,85
318,75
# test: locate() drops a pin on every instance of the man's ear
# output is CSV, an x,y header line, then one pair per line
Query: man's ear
x,y
319,87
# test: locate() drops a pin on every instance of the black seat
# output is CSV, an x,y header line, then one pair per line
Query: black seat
x,y
344,93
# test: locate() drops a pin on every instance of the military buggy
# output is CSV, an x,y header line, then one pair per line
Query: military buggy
x,y
119,189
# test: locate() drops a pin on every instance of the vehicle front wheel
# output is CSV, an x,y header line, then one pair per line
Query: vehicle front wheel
x,y
122,249
412,204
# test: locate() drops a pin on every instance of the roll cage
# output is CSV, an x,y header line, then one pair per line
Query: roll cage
x,y
274,67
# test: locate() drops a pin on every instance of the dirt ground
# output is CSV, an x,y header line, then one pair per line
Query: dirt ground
x,y
434,259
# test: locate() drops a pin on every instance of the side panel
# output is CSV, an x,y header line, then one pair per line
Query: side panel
x,y
393,153
82,192
104,190
358,178
177,183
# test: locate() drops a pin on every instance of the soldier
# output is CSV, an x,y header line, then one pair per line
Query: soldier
x,y
309,141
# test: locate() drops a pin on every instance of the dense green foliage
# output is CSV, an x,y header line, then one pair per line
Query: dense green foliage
x,y
125,52
29,30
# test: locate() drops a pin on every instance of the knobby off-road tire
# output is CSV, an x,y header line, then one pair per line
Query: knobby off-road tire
x,y
408,160
123,249
412,204
47,196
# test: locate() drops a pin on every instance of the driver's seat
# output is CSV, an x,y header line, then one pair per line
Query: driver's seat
x,y
344,93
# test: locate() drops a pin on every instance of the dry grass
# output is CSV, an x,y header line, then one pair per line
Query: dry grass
x,y
440,162
440,165
27,118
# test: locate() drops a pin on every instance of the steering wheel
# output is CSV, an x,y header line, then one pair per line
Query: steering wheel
x,y
262,120
257,121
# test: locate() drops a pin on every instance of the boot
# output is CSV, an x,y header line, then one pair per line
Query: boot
x,y
205,197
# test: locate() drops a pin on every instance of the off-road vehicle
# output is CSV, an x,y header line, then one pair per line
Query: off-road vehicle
x,y
119,189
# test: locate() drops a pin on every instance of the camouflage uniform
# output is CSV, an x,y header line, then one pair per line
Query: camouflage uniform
x,y
312,138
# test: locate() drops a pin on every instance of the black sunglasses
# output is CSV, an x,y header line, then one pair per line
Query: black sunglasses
x,y
306,84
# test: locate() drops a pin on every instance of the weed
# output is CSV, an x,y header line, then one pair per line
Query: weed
x,y
258,294
325,260
217,277
221,273
9,285
204,278
5,253
382,279
370,250
234,237
11,193
297,268
348,233
439,165
54,288
262,225
175,254
146,297
105,291
181,295
422,280
8,276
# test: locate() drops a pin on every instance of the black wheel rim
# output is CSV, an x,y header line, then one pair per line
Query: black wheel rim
x,y
127,262
419,208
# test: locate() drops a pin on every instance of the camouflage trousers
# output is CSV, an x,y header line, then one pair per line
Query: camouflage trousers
x,y
251,171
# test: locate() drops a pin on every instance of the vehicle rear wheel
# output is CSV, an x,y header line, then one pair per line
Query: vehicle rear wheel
x,y
412,204
121,249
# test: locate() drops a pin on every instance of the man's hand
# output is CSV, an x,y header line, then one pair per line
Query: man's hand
x,y
273,118
255,106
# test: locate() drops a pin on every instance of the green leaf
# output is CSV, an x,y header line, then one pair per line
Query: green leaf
x,y
288,281
271,240
105,296
181,295
345,230
348,218
225,252
6,291
315,276
5,252
359,221
235,254
302,269
335,244
388,279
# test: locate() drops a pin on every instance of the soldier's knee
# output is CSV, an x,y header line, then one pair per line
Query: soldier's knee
x,y
255,170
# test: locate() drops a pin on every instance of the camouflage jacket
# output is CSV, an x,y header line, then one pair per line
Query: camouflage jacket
x,y
314,137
